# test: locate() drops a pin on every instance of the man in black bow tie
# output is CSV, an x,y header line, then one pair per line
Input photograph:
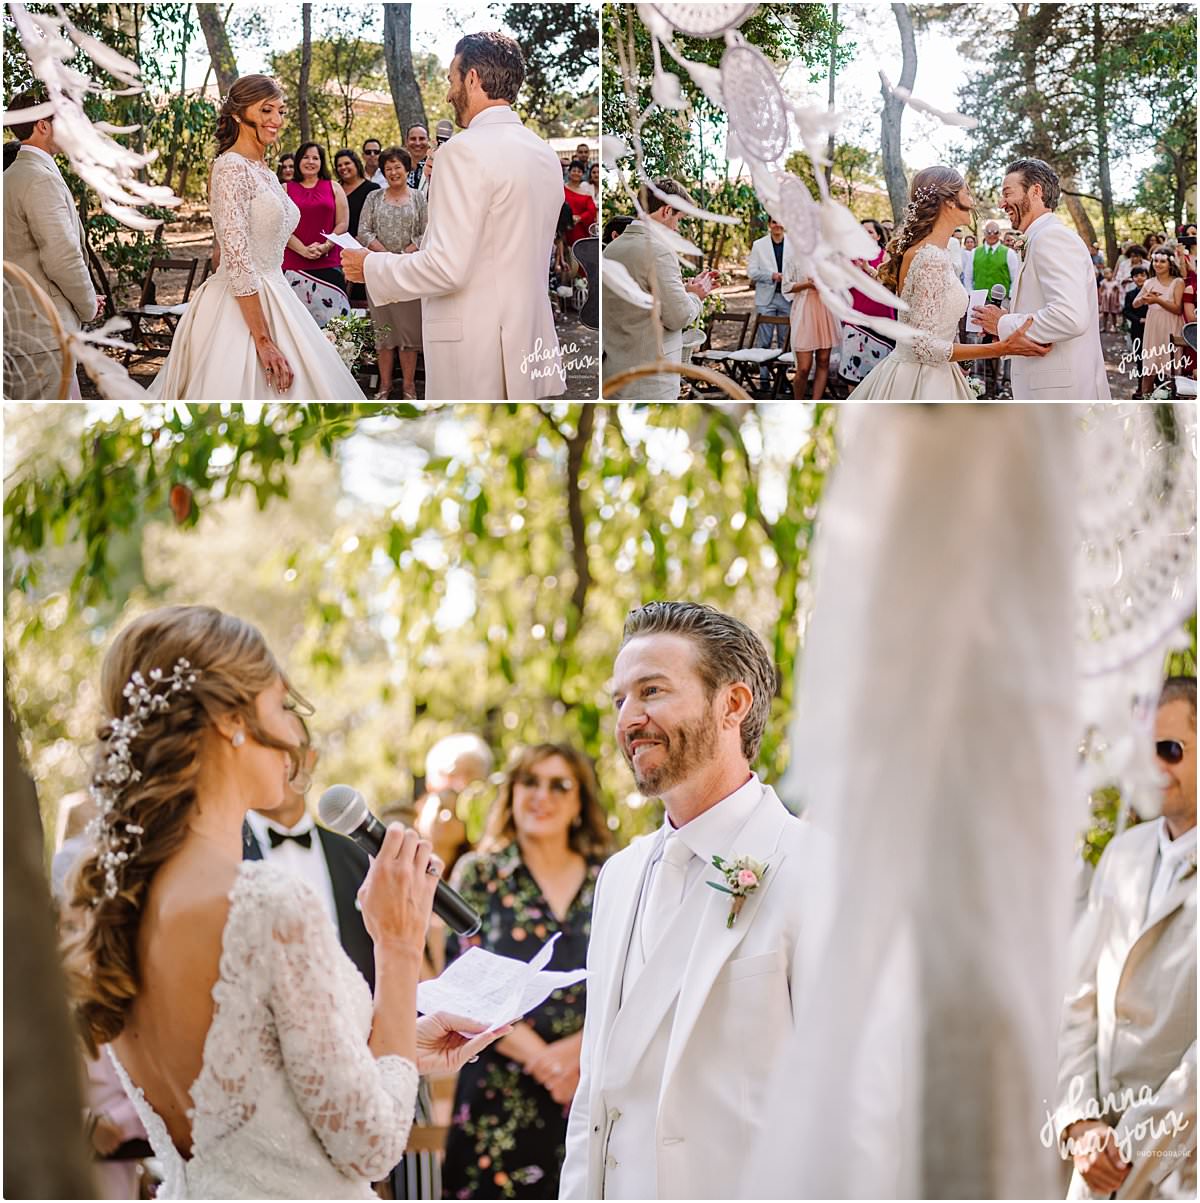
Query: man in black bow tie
x,y
333,865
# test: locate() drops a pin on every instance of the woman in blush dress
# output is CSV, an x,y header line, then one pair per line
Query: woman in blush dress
x,y
311,262
245,335
814,332
1162,298
922,268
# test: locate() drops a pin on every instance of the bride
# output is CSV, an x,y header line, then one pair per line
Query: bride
x,y
919,268
245,334
246,1038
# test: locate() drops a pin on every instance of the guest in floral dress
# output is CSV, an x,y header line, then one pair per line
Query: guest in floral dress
x,y
534,875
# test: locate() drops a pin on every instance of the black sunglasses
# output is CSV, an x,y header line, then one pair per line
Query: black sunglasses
x,y
1169,750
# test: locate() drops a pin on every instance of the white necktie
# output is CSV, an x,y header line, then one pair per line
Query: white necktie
x,y
666,892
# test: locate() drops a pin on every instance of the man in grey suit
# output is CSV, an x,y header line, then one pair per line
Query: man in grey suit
x,y
629,334
1126,1110
765,270
43,235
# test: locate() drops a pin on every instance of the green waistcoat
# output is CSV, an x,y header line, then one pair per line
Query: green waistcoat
x,y
990,266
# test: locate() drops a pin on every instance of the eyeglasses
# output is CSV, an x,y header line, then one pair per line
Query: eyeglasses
x,y
1170,751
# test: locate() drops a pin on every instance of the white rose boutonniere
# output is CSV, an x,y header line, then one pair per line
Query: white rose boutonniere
x,y
743,876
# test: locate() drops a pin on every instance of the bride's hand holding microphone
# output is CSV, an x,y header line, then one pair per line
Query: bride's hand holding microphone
x,y
397,900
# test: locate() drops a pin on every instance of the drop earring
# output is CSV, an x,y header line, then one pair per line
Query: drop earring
x,y
239,738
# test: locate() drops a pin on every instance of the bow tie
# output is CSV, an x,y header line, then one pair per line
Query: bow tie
x,y
304,838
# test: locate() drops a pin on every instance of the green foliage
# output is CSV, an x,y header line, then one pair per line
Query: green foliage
x,y
558,42
454,597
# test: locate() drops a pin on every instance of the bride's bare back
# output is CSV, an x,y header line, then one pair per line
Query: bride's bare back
x,y
178,956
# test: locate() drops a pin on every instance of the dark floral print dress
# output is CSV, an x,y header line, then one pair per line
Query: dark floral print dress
x,y
507,1136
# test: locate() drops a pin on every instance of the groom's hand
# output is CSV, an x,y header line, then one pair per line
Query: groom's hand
x,y
989,318
352,265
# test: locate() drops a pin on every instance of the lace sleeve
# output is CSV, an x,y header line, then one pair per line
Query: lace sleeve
x,y
360,1107
923,289
233,187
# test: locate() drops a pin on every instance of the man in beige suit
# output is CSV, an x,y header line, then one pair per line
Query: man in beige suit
x,y
1127,1046
43,235
482,273
629,334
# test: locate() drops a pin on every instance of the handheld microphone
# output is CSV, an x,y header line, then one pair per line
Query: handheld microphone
x,y
443,130
997,295
344,810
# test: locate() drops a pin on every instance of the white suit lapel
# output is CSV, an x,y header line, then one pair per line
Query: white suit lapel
x,y
714,942
1173,899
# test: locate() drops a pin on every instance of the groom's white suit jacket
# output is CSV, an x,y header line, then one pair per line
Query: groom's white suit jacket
x,y
1057,288
675,1065
482,273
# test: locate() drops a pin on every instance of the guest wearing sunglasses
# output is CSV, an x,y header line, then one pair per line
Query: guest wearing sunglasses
x,y
1127,1043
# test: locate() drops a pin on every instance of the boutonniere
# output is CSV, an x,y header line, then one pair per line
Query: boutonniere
x,y
743,875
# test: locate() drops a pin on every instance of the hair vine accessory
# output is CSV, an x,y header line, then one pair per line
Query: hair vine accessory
x,y
117,839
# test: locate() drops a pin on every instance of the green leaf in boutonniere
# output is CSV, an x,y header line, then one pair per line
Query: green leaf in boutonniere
x,y
743,875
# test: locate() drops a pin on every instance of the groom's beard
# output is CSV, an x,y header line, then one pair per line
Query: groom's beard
x,y
1022,209
687,748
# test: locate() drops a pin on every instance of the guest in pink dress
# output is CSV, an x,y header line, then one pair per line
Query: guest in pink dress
x,y
1110,301
860,301
814,332
1162,297
311,263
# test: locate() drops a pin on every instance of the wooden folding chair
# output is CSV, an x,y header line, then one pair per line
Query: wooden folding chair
x,y
744,364
149,343
724,334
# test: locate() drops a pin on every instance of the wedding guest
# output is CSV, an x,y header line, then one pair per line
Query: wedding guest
x,y
1097,260
292,1081
349,168
814,332
1127,1040
614,228
859,300
311,262
583,154
969,243
394,219
452,765
532,878
11,149
371,149
1162,297
992,262
1137,325
417,145
1110,301
630,338
765,270
43,235
594,181
582,202
1133,256
285,169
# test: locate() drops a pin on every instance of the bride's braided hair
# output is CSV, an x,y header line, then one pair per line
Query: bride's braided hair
x,y
247,90
146,805
929,188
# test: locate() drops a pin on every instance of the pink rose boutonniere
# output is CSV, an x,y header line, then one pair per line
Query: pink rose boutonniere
x,y
743,876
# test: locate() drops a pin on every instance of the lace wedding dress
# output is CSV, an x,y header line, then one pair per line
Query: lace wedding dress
x,y
212,355
922,371
289,1102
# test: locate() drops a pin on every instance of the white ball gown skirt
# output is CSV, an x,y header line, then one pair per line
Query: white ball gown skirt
x,y
213,358
897,379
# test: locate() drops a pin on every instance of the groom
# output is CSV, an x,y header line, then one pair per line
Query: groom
x,y
686,1011
1057,288
481,274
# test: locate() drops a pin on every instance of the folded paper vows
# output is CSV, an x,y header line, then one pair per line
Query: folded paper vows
x,y
492,989
346,241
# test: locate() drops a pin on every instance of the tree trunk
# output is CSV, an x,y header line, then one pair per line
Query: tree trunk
x,y
832,93
177,128
1111,250
219,50
1079,215
893,111
397,52
44,1147
305,68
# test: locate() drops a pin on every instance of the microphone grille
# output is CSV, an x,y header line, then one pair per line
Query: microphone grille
x,y
341,808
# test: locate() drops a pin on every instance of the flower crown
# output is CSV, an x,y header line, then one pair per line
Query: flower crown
x,y
118,840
